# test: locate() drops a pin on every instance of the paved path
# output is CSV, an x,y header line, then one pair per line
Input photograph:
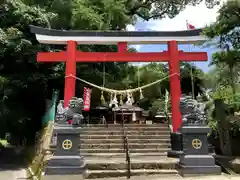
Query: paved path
x,y
13,174
175,177
11,165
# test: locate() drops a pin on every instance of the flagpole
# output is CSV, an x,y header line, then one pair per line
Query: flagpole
x,y
192,80
191,70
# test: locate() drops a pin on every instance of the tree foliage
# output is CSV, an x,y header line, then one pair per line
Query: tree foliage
x,y
227,25
25,84
158,9
227,32
120,11
225,74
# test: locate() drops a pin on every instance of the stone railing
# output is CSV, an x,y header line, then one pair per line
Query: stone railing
x,y
43,139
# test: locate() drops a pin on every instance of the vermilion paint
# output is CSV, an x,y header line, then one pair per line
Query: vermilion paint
x,y
175,85
173,56
120,56
70,82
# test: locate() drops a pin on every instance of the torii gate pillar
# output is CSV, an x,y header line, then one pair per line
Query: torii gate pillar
x,y
70,82
174,72
175,84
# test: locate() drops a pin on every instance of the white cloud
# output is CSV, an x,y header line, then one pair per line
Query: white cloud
x,y
132,28
137,47
199,16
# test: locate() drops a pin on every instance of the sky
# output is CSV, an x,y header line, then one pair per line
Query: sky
x,y
199,16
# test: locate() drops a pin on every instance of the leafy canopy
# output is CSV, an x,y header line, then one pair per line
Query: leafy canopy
x,y
25,83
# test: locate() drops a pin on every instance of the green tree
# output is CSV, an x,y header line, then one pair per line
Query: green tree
x,y
225,34
158,9
227,62
186,79
227,25
74,13
226,29
23,82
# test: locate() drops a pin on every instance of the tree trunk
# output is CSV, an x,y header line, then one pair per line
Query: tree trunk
x,y
232,80
223,128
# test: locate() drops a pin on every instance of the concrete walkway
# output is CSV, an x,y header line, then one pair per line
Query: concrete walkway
x,y
13,174
12,165
176,177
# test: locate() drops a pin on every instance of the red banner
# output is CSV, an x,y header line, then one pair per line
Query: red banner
x,y
87,99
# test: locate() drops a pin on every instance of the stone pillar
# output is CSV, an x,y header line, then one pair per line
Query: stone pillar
x,y
67,163
196,159
176,145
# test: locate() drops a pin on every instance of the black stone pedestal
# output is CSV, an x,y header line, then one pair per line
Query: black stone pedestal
x,y
66,162
176,145
196,159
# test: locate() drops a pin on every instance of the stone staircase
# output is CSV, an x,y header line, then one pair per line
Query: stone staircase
x,y
103,150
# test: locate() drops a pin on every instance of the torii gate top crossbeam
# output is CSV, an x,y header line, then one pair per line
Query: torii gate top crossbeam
x,y
52,36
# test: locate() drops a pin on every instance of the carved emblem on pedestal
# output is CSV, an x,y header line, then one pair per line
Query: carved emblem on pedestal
x,y
196,143
67,144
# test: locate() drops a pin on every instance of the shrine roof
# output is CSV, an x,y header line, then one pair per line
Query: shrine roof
x,y
53,36
126,107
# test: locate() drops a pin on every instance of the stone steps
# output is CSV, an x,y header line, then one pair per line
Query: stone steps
x,y
103,136
143,162
120,150
223,176
126,125
94,174
130,140
120,145
109,155
105,156
129,132
161,177
131,128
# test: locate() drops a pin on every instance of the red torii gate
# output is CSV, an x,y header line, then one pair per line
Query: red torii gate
x,y
72,38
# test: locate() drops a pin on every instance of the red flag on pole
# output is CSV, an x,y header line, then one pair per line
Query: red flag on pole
x,y
190,26
87,99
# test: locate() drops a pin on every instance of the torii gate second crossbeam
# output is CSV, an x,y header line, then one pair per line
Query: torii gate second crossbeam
x,y
173,56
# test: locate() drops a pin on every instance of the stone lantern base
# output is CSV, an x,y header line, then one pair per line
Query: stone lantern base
x,y
176,145
67,163
195,159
